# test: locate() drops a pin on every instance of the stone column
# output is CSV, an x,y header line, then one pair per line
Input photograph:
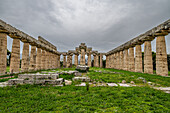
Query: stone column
x,y
161,56
68,60
118,60
76,59
131,59
25,57
148,63
71,56
64,61
110,59
15,56
89,59
101,60
106,61
114,61
82,59
47,60
3,52
97,60
38,59
126,59
50,60
138,59
58,61
94,60
32,65
43,60
121,60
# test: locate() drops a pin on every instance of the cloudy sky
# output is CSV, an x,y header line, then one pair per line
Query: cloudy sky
x,y
101,24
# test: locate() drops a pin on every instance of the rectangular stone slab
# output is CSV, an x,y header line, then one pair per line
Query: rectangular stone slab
x,y
38,76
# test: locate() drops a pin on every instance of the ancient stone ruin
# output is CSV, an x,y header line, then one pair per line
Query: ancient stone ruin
x,y
44,55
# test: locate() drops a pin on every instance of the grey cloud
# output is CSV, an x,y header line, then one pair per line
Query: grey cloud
x,y
103,25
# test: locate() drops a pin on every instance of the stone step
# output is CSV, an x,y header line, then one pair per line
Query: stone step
x,y
40,82
38,76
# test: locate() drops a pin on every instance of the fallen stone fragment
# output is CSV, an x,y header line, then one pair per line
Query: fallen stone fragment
x,y
82,84
124,85
67,82
112,84
123,81
132,82
83,79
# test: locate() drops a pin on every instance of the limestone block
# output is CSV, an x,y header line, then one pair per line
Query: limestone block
x,y
15,81
83,79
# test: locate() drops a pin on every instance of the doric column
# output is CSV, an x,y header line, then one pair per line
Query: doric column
x,y
94,60
101,60
89,59
15,56
64,60
118,60
3,52
148,63
131,59
138,59
114,61
161,56
107,61
97,60
47,60
110,59
25,57
50,61
68,60
58,61
126,60
32,65
82,59
121,60
71,56
38,59
43,59
76,59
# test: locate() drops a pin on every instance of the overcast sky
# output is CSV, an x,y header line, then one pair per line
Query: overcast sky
x,y
101,24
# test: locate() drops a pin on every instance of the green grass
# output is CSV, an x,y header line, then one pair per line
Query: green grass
x,y
126,75
66,76
30,98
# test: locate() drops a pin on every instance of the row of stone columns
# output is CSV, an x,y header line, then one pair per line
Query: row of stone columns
x,y
125,59
38,59
68,62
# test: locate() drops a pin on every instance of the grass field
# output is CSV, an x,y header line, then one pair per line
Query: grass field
x,y
29,98
34,98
